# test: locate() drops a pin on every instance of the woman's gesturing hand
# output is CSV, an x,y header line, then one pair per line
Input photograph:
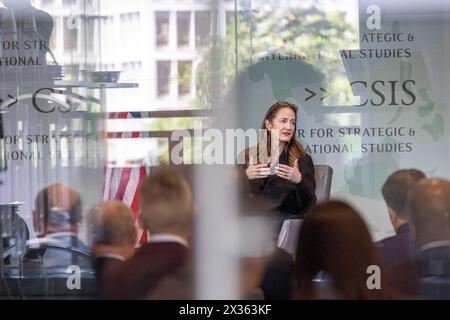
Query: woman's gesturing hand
x,y
257,171
291,174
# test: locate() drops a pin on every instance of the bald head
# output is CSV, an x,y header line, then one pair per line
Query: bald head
x,y
430,211
57,208
112,224
166,202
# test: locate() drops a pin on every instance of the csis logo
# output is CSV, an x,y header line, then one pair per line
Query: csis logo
x,y
45,100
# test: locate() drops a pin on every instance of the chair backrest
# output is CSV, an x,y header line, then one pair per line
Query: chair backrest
x,y
435,287
434,269
287,239
323,175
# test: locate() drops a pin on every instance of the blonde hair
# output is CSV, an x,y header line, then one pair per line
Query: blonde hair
x,y
112,224
166,201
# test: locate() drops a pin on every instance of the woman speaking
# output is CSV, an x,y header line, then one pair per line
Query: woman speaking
x,y
289,186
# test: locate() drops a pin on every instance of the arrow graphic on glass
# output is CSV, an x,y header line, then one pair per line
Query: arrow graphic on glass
x,y
313,94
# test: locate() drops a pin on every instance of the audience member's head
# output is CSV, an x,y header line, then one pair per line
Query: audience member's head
x,y
430,211
166,203
112,229
396,192
57,209
334,239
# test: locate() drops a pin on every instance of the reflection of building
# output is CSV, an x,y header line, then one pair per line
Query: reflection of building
x,y
72,42
155,43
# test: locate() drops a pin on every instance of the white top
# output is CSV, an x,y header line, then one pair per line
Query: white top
x,y
50,238
435,245
61,234
111,255
165,237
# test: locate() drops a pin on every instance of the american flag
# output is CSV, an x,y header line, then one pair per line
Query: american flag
x,y
122,183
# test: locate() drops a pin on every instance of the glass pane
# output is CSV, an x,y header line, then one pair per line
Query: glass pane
x,y
183,28
97,94
162,28
184,77
69,2
202,27
163,75
70,35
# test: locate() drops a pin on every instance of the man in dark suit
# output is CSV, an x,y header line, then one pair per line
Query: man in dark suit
x,y
113,239
398,252
166,211
399,248
430,215
58,251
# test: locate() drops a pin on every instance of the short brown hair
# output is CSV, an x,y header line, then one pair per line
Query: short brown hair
x,y
166,200
112,224
397,188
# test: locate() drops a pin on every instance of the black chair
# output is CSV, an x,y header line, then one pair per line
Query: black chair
x,y
436,287
32,279
434,269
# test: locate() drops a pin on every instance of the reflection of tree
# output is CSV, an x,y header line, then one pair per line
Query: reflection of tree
x,y
214,74
311,32
184,77
169,124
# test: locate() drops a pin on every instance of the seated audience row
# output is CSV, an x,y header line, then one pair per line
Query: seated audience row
x,y
335,257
